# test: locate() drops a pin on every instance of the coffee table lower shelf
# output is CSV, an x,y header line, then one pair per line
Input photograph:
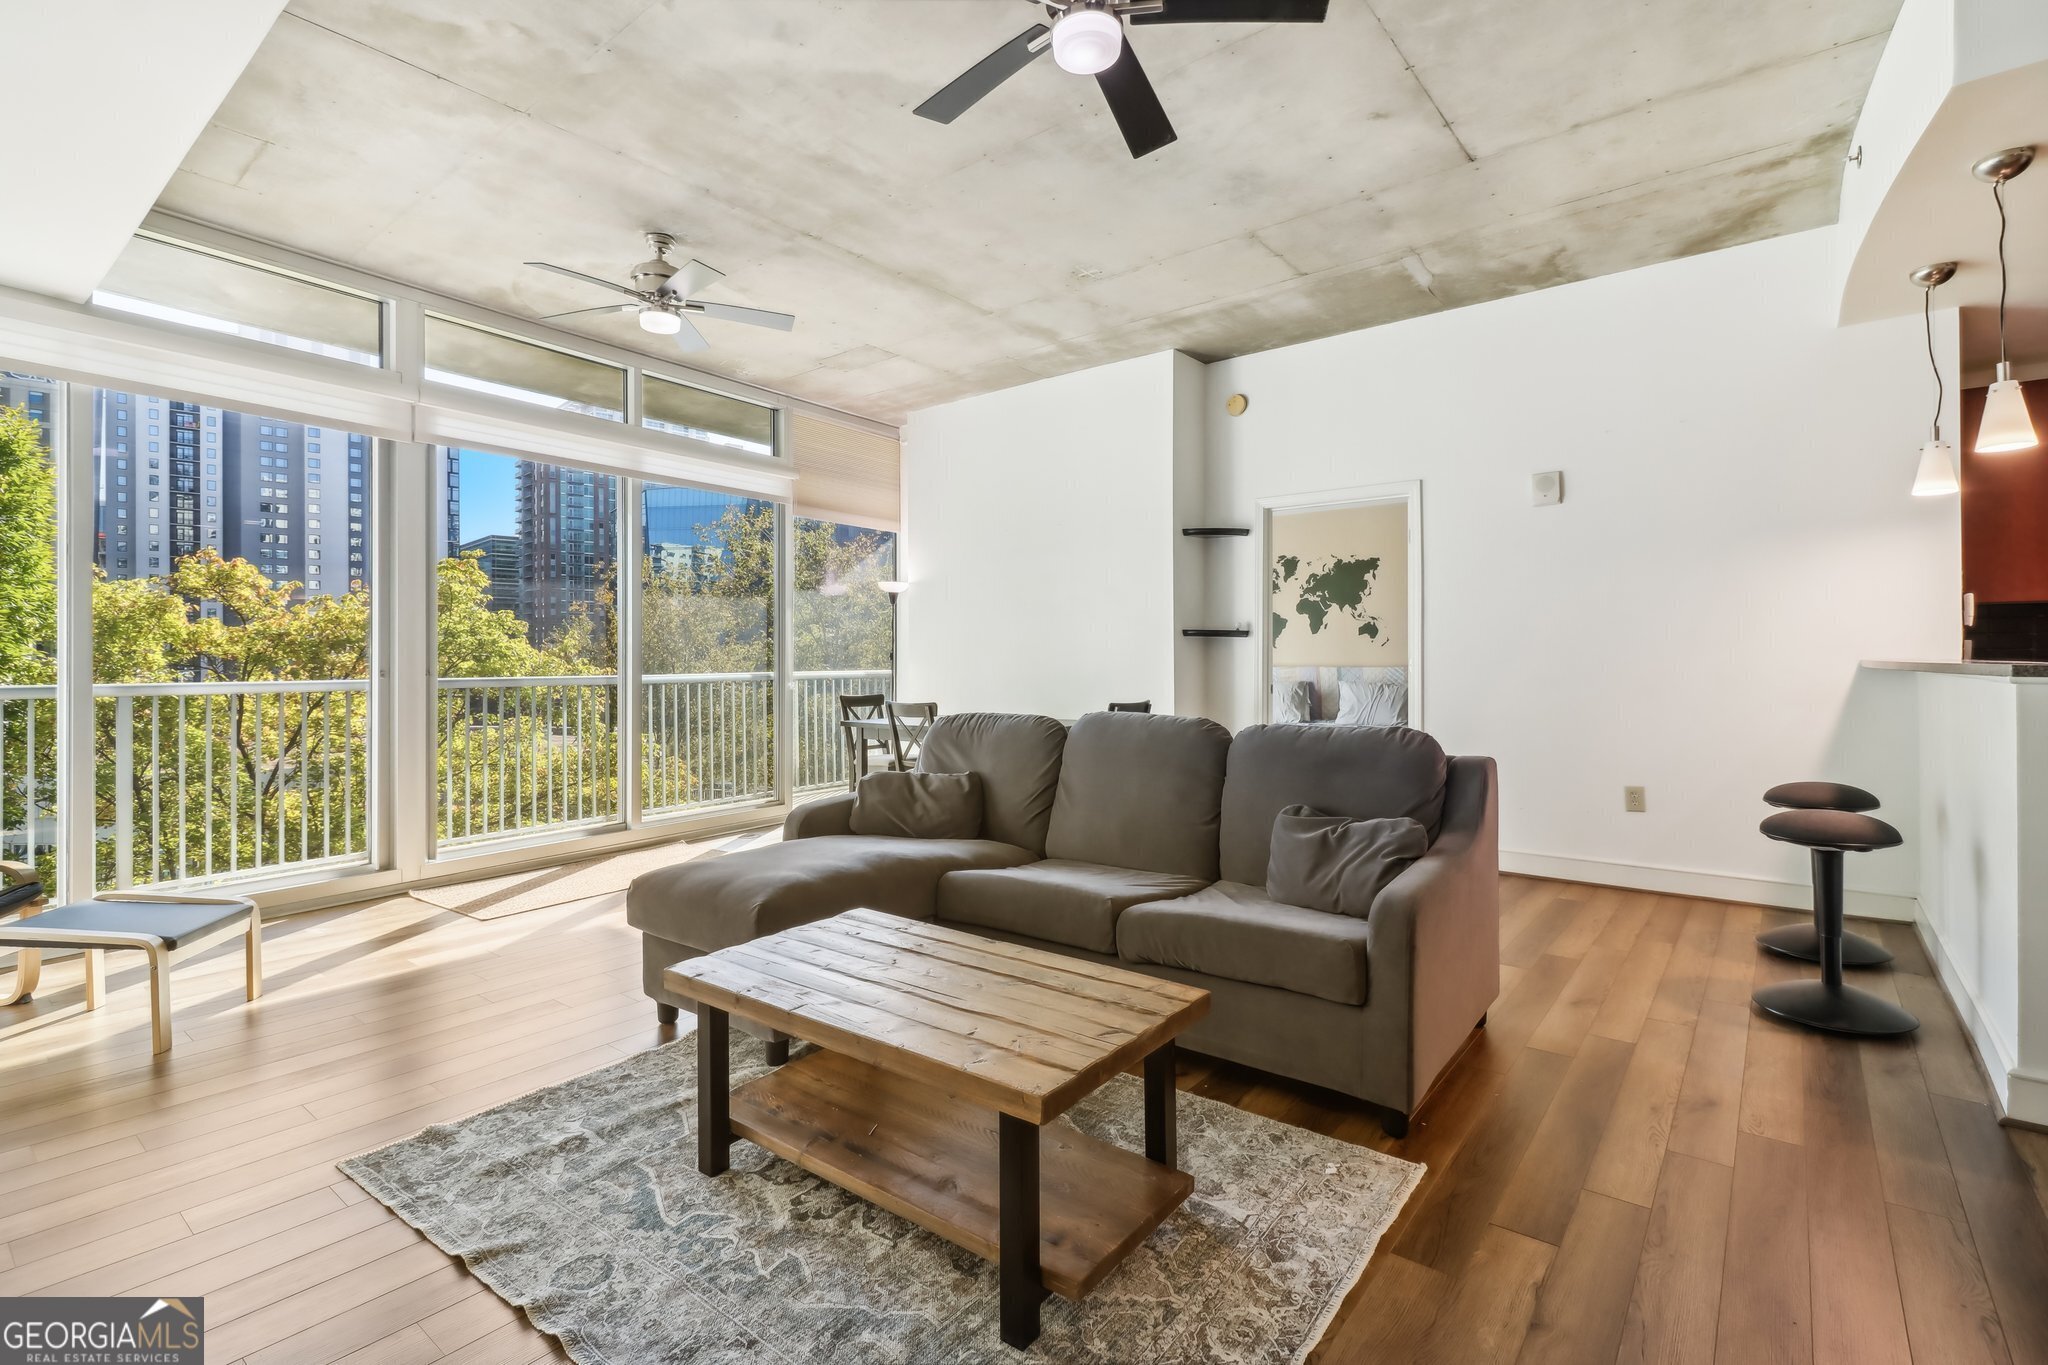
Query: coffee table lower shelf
x,y
918,1152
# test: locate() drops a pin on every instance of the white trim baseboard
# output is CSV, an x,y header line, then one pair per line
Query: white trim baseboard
x,y
1718,886
2020,1094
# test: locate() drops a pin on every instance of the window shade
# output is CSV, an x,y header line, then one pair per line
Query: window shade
x,y
843,474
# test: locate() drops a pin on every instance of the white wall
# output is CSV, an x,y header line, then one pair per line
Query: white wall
x,y
1040,544
1736,534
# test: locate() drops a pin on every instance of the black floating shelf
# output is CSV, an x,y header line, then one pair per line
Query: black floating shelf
x,y
1233,634
1215,530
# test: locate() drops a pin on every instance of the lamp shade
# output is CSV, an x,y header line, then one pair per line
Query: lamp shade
x,y
660,322
1937,472
2006,425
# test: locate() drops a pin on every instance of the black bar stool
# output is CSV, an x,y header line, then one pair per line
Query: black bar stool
x,y
1802,941
1827,1004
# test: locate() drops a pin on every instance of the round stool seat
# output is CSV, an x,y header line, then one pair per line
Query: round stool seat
x,y
1820,796
1845,830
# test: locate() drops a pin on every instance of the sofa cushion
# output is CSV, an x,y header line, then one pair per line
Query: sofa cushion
x,y
917,805
1364,773
713,903
1239,933
1076,904
1141,791
1018,759
1336,864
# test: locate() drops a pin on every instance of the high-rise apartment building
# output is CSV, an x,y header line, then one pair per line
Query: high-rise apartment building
x,y
500,559
568,526
39,396
175,477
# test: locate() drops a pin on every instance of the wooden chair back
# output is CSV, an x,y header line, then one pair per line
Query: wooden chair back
x,y
909,723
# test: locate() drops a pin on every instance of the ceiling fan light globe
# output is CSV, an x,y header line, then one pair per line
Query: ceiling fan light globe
x,y
660,321
1086,41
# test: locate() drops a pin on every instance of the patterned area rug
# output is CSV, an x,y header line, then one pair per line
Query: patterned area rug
x,y
582,1205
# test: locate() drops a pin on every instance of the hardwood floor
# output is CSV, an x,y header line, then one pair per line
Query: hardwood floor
x,y
1627,1165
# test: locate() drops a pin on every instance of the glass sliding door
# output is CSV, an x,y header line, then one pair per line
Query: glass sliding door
x,y
707,649
845,641
526,704
30,410
231,642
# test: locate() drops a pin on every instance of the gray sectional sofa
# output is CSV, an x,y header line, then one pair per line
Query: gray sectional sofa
x,y
1143,840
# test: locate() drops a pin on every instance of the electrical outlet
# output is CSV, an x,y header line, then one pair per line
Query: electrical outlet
x,y
1634,800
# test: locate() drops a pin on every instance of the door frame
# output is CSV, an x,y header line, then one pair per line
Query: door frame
x,y
1325,500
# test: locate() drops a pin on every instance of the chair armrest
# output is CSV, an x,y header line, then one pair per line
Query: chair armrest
x,y
1433,946
827,815
23,885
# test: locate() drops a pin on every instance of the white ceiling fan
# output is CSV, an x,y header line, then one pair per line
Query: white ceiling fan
x,y
663,295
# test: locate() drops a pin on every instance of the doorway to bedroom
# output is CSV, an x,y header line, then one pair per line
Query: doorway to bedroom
x,y
1341,642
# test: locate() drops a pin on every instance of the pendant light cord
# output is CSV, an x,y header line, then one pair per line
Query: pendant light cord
x,y
1940,392
1998,197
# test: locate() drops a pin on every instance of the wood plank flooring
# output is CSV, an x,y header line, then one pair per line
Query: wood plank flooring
x,y
1627,1165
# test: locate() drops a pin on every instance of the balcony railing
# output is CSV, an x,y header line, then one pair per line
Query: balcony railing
x,y
204,781
199,782
28,774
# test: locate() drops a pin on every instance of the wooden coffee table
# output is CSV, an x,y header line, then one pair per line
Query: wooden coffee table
x,y
942,1057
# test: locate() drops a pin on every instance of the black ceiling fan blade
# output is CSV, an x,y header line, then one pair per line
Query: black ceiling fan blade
x,y
1135,104
984,76
1238,12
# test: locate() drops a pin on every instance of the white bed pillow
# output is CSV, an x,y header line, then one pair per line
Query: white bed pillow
x,y
1294,703
1372,703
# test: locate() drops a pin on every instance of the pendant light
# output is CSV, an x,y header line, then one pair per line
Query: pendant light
x,y
2005,425
1937,472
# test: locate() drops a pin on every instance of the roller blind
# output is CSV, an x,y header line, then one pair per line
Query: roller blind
x,y
843,474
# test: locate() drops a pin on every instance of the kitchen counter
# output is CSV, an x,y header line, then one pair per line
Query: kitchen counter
x,y
1975,668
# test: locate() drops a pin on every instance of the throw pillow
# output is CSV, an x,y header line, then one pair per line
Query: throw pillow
x,y
918,805
1337,864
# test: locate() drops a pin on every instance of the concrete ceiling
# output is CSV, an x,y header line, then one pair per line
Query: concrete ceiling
x,y
1406,156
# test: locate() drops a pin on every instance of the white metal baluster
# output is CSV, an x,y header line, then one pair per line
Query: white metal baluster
x,y
233,755
283,736
125,801
305,773
183,866
156,772
327,774
28,819
206,765
256,780
348,777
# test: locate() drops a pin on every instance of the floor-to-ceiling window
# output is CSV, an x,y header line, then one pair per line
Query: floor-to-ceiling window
x,y
572,634
526,705
844,629
707,648
231,641
30,408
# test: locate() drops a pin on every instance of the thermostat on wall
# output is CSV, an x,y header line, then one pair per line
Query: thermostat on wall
x,y
1547,488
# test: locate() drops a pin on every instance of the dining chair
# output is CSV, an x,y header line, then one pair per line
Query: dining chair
x,y
1141,707
855,707
909,722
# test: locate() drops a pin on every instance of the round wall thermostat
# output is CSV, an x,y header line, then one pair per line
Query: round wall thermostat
x,y
1236,404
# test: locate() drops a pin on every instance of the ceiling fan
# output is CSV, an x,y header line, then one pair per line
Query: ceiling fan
x,y
663,296
1087,38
